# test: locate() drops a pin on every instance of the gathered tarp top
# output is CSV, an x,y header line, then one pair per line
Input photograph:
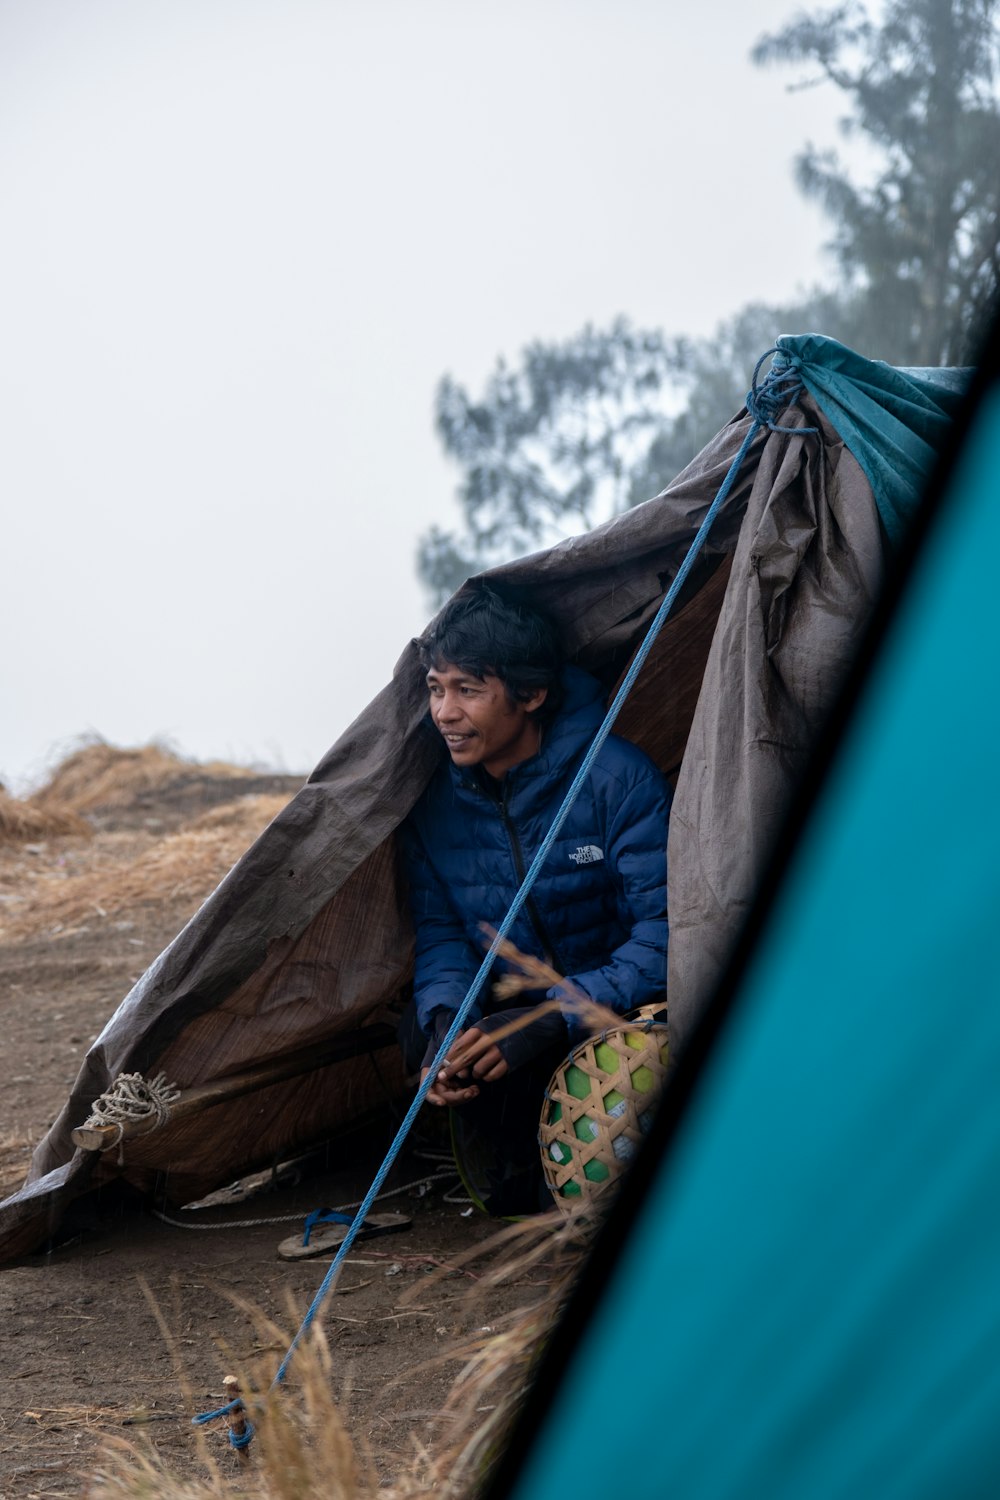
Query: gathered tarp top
x,y
308,938
893,421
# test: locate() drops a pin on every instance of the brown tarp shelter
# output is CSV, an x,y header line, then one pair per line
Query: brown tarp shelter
x,y
308,939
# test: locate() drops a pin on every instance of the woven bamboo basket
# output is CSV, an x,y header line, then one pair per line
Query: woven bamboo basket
x,y
599,1103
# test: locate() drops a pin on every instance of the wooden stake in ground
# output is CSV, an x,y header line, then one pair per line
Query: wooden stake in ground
x,y
237,1420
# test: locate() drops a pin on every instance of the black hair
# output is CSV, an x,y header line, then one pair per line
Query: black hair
x,y
488,636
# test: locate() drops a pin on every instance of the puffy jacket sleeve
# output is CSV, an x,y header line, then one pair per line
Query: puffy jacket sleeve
x,y
636,846
444,962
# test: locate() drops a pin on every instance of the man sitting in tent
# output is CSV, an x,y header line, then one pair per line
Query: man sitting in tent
x,y
516,723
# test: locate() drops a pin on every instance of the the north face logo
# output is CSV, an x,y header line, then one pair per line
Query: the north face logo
x,y
587,854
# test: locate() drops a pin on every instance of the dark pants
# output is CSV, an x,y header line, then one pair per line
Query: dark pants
x,y
495,1135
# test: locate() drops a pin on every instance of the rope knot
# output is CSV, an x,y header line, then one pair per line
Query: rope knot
x,y
132,1099
241,1431
780,388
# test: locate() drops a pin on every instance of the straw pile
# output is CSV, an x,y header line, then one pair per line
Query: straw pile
x,y
24,821
184,867
102,775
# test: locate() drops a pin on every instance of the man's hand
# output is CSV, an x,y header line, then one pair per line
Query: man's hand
x,y
475,1052
443,1092
474,1058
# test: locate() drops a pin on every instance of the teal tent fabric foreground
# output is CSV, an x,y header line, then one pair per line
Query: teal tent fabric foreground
x,y
893,420
809,1302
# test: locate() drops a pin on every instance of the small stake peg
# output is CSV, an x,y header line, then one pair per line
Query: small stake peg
x,y
237,1419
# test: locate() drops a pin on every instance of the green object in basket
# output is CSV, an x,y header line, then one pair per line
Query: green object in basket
x,y
606,1057
585,1130
577,1082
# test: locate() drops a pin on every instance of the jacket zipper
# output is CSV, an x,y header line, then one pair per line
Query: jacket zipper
x,y
549,952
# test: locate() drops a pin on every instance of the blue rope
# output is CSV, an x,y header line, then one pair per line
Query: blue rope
x,y
779,390
220,1411
236,1439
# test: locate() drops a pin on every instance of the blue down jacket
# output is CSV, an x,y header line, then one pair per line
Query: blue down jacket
x,y
597,910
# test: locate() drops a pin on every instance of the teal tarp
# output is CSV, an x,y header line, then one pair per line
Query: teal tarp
x,y
893,420
809,1302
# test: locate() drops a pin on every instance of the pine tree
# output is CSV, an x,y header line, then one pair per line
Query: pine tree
x,y
920,243
579,431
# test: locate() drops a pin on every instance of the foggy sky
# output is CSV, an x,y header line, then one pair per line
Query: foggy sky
x,y
242,243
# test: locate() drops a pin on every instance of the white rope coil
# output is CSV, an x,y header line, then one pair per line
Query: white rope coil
x,y
130,1100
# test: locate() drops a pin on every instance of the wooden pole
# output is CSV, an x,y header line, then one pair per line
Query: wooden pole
x,y
237,1419
221,1090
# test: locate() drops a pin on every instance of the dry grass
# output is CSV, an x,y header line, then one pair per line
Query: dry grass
x,y
105,776
497,1368
183,867
302,1445
25,822
244,818
58,1418
536,974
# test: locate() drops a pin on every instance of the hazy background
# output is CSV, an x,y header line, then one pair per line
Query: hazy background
x,y
244,240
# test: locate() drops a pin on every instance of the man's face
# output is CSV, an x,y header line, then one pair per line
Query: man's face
x,y
480,724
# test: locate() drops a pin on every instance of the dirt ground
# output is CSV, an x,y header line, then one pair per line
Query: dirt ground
x,y
85,1355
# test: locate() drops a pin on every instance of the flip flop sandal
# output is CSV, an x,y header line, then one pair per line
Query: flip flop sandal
x,y
326,1229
